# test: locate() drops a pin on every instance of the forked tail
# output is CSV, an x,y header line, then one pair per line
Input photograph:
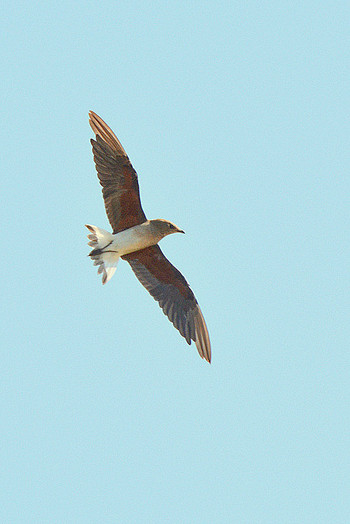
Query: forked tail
x,y
105,258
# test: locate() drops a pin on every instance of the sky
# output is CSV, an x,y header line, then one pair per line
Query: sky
x,y
236,117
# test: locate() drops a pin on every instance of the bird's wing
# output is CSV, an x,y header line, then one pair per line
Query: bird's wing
x,y
166,285
117,177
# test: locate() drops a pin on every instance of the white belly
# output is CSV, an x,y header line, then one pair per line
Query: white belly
x,y
133,239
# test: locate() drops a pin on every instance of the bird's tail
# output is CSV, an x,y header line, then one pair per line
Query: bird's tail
x,y
103,253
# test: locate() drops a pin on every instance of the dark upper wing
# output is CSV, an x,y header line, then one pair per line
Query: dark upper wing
x,y
166,285
117,177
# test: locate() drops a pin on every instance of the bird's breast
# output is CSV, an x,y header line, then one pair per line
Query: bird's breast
x,y
134,238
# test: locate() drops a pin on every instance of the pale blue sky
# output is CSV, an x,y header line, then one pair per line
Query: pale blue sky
x,y
236,117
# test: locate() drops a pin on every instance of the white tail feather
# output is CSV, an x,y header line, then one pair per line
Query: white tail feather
x,y
108,260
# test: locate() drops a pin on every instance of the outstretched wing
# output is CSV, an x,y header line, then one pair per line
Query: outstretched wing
x,y
117,177
166,285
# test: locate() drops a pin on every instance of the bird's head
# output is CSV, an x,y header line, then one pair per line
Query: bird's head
x,y
164,227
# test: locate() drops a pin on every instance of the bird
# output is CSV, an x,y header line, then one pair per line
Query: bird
x,y
135,239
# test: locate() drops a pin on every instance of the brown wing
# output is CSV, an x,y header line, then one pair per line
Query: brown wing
x,y
166,285
117,177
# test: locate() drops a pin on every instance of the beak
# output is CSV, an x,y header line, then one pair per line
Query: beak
x,y
180,231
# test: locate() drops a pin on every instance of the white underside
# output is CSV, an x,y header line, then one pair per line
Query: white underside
x,y
114,246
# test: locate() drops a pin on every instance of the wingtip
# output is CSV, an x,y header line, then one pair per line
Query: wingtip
x,y
207,358
202,337
100,128
93,116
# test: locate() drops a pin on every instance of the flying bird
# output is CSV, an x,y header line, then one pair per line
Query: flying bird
x,y
135,239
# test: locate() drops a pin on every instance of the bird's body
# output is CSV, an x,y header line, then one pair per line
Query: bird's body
x,y
135,239
108,248
132,239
